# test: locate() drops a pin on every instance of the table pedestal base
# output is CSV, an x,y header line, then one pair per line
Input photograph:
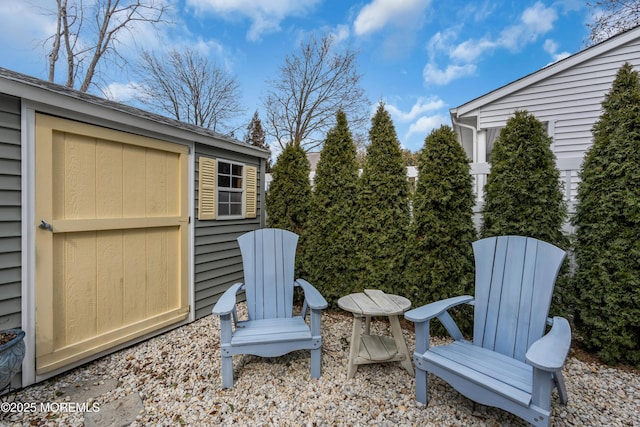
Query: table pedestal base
x,y
366,348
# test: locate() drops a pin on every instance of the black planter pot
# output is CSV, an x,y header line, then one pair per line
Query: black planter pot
x,y
11,355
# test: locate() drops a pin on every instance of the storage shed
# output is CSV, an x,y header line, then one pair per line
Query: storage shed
x,y
115,224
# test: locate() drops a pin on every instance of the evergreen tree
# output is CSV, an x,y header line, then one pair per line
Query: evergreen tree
x,y
383,211
289,195
329,234
523,194
442,230
607,218
256,136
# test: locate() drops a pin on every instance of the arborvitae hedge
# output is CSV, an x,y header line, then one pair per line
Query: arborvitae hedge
x,y
607,218
329,244
289,194
523,194
442,229
382,220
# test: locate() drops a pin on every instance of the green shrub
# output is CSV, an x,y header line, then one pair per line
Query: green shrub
x,y
329,244
289,194
382,220
442,230
607,218
523,194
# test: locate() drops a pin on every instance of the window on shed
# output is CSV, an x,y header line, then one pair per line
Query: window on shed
x,y
226,189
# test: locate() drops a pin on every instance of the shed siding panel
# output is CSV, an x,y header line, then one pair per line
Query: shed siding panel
x,y
572,99
218,264
10,212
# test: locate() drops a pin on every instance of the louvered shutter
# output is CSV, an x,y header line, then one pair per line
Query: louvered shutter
x,y
207,188
250,191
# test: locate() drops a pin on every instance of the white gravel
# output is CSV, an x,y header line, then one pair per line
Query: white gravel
x,y
177,376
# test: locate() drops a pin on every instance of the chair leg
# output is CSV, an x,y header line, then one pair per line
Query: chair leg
x,y
562,389
227,371
421,386
316,362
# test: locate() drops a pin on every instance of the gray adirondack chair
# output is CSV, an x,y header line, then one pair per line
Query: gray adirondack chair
x,y
268,257
511,363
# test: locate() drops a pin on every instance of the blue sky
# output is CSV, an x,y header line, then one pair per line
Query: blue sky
x,y
421,57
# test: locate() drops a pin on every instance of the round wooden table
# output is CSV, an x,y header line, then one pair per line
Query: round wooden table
x,y
367,348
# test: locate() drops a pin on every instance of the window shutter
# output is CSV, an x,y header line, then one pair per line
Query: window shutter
x,y
250,191
207,188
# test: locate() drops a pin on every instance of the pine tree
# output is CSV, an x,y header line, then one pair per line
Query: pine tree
x,y
256,136
442,229
383,211
289,195
607,278
523,194
329,234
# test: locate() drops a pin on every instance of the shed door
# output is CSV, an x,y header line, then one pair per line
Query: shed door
x,y
113,264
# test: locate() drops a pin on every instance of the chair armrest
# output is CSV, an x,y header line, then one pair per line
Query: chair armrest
x,y
314,299
549,352
435,309
227,302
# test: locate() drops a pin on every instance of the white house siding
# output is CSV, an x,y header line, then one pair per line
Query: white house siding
x,y
566,95
571,100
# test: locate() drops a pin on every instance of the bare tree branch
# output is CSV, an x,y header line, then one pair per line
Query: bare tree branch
x,y
314,83
90,46
55,49
612,17
186,86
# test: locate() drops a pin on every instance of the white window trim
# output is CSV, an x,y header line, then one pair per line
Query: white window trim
x,y
234,190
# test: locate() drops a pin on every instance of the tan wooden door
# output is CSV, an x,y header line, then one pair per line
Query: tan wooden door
x,y
111,255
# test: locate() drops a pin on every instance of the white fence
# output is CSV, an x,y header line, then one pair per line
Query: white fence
x,y
568,167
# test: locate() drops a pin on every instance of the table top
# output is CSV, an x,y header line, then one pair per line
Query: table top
x,y
373,302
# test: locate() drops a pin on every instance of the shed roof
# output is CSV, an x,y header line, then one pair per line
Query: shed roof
x,y
64,98
468,108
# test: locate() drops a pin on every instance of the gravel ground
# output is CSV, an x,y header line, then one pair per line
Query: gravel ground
x,y
177,377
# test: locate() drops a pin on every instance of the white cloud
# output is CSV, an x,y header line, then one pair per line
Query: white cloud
x,y
421,106
551,47
120,92
24,27
534,22
471,50
479,11
340,33
442,40
539,18
433,75
40,16
379,13
425,124
265,16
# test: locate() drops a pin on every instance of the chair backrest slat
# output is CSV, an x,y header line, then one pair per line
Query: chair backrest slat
x,y
515,277
268,258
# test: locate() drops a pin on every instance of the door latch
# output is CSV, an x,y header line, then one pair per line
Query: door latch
x,y
44,225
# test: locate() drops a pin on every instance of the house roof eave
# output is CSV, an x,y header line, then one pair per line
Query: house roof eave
x,y
470,108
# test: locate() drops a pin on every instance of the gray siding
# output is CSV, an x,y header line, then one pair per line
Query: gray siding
x,y
10,213
218,263
571,99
